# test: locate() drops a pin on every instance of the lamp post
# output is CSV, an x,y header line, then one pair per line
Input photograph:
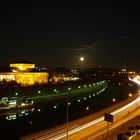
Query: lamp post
x,y
67,114
67,120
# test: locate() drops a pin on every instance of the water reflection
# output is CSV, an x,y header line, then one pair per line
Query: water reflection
x,y
17,114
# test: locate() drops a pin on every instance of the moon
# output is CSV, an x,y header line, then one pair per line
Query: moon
x,y
82,59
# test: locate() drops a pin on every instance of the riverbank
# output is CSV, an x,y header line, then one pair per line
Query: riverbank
x,y
69,93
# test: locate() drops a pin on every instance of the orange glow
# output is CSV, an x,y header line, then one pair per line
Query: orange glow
x,y
21,73
7,77
130,95
62,78
114,100
25,78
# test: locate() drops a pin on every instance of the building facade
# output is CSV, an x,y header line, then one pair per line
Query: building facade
x,y
24,74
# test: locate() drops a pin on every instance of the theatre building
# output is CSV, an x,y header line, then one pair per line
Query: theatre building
x,y
25,74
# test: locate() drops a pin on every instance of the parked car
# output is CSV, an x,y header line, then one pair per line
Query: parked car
x,y
130,135
137,128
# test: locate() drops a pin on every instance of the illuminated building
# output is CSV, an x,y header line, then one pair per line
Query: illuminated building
x,y
22,67
61,78
25,74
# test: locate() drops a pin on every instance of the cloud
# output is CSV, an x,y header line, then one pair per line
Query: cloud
x,y
84,47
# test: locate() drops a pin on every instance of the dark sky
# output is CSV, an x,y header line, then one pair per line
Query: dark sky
x,y
56,33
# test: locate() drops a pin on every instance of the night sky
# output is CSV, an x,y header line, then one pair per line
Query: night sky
x,y
56,33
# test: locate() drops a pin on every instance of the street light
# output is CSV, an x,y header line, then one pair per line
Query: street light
x,y
67,115
79,87
113,100
55,90
130,94
79,100
69,88
55,107
39,91
16,94
87,108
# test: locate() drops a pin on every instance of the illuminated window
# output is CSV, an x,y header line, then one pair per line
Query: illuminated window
x,y
1,77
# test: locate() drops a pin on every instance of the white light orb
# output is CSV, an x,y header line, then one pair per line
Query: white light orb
x,y
82,59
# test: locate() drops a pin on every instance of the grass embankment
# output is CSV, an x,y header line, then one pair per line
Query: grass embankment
x,y
62,91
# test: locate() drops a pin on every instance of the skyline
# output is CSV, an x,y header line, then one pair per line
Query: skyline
x,y
58,33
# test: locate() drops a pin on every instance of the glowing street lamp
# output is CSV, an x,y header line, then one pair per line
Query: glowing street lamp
x,y
113,100
130,95
16,94
79,100
87,108
55,107
39,91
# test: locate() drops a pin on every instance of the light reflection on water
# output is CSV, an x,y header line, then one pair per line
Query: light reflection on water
x,y
17,114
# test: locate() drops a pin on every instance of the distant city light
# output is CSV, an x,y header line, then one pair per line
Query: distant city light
x,y
69,88
16,93
79,100
87,108
55,107
130,95
113,100
69,103
30,122
39,91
